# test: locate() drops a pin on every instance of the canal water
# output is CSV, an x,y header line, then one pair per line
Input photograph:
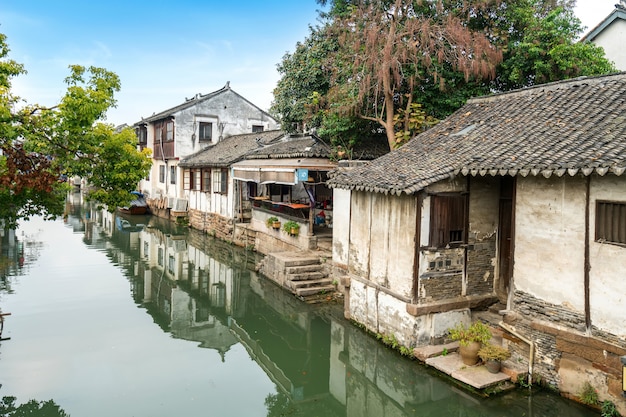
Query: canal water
x,y
132,316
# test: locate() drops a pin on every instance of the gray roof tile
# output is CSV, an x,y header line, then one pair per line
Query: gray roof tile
x,y
559,128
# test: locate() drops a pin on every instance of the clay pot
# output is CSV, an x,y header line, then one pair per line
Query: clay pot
x,y
493,365
469,353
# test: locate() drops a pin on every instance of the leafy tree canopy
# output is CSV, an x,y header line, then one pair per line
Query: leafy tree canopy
x,y
42,146
398,65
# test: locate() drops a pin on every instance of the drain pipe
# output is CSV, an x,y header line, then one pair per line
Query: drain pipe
x,y
530,343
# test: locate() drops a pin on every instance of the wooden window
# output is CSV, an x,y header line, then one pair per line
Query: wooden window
x,y
220,181
187,179
206,180
447,220
162,173
206,131
257,128
611,222
169,131
142,134
172,175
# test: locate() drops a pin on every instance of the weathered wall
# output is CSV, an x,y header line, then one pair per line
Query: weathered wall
x,y
549,281
612,40
341,227
382,236
608,263
549,239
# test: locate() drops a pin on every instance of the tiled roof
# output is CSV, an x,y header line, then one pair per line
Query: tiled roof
x,y
561,128
293,146
189,102
230,149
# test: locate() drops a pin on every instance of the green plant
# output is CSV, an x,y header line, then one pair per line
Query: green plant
x,y
444,352
291,227
588,394
271,220
476,332
608,409
493,352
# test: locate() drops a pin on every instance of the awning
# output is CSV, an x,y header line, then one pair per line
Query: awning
x,y
279,171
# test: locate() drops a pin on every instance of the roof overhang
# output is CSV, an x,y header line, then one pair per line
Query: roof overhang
x,y
279,171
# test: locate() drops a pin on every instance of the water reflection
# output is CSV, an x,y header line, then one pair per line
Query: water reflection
x,y
204,291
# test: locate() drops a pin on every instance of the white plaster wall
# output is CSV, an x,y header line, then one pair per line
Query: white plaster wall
x,y
341,226
360,234
608,263
382,240
549,239
612,40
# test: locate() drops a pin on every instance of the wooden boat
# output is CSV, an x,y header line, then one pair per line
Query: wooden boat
x,y
137,206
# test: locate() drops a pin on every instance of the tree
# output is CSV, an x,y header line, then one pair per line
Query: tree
x,y
537,39
541,45
396,47
41,146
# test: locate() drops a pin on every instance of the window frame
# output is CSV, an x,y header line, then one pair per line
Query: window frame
x,y
610,222
203,128
220,181
173,174
162,174
448,219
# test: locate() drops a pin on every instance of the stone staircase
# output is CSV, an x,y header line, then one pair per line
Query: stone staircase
x,y
301,273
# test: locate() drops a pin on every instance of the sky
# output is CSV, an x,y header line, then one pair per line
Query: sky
x,y
164,52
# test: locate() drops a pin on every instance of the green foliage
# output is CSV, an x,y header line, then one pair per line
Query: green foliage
x,y
588,394
608,409
41,146
270,221
476,332
30,408
291,227
490,351
321,81
411,121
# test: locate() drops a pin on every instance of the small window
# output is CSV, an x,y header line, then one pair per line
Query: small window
x,y
194,180
162,173
160,257
206,180
611,222
257,128
171,263
447,220
220,181
169,128
142,134
172,175
206,131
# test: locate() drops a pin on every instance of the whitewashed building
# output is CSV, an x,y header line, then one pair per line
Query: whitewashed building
x,y
610,34
518,198
175,133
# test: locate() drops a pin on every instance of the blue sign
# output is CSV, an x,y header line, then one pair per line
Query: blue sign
x,y
303,175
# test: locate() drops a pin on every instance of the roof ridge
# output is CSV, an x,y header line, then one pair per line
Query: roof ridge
x,y
551,86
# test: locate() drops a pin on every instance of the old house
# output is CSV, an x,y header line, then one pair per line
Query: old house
x,y
175,133
517,198
287,180
610,34
216,201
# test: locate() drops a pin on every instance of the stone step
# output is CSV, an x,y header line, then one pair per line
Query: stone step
x,y
303,292
306,268
311,283
305,276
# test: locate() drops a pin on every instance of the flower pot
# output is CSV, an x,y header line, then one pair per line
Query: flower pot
x,y
276,225
493,365
293,231
469,353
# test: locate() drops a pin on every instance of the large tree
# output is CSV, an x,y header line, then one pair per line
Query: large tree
x,y
537,39
41,146
394,47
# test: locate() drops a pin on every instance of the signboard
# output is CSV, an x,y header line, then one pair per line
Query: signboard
x,y
303,175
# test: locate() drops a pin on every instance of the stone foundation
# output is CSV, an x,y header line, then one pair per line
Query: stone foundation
x,y
566,357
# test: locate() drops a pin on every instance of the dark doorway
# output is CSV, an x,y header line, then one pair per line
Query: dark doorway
x,y
505,237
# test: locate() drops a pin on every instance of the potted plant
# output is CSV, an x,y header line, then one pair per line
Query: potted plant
x,y
492,356
470,340
292,228
273,222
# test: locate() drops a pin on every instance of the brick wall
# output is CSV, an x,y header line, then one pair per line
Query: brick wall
x,y
480,267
